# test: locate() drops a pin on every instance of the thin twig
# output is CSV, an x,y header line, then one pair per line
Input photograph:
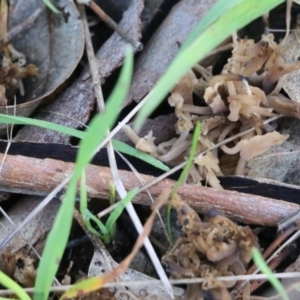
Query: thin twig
x,y
272,265
36,210
29,22
112,24
62,289
28,175
219,49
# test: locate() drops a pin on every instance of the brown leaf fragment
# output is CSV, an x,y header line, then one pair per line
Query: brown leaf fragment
x,y
152,63
280,163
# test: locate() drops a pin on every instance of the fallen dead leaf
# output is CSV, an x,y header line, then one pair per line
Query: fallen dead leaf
x,y
52,39
76,103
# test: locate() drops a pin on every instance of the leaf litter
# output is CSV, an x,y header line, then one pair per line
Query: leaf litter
x,y
253,75
58,38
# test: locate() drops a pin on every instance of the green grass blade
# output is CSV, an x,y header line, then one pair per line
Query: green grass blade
x,y
86,214
51,6
193,150
118,145
10,284
236,18
94,135
219,8
124,148
58,236
55,244
16,120
184,174
119,209
261,264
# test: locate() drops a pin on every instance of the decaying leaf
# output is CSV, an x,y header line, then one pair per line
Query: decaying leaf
x,y
76,103
57,38
280,163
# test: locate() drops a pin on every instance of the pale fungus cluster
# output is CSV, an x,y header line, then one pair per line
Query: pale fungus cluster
x,y
244,95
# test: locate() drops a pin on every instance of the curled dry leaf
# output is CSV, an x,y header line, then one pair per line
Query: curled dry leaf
x,y
54,44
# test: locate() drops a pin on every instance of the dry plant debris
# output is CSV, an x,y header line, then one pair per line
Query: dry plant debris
x,y
246,93
209,249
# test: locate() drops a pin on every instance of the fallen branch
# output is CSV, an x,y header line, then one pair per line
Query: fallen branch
x,y
21,174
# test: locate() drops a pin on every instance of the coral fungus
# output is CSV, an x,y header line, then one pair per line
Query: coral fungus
x,y
244,95
209,249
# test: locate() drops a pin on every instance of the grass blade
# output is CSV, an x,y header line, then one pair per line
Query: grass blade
x,y
10,284
119,209
261,264
16,120
51,6
219,8
58,236
184,174
118,145
124,148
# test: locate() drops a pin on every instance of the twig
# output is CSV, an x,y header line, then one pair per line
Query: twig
x,y
112,24
219,49
36,210
289,221
21,174
274,263
29,22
